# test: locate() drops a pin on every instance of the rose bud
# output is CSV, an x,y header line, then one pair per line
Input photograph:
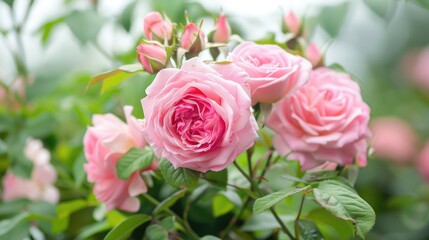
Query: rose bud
x,y
152,56
222,31
156,27
314,55
193,38
292,23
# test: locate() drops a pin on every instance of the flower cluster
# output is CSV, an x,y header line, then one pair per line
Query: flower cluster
x,y
203,115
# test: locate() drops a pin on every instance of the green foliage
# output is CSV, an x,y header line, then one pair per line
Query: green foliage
x,y
217,178
126,227
343,202
133,160
178,177
111,79
78,21
225,202
331,18
170,201
156,232
264,203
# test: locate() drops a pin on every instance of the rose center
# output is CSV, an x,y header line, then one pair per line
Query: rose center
x,y
196,121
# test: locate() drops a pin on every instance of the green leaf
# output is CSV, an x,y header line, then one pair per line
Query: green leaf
x,y
126,227
8,224
312,176
156,232
330,226
309,230
84,25
209,237
64,210
46,29
78,173
264,203
217,178
41,125
115,77
178,177
115,217
133,160
221,205
93,229
168,223
170,201
331,18
9,2
127,15
343,202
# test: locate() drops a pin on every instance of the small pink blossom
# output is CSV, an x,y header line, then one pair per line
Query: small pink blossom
x,y
324,121
292,22
274,73
394,139
313,54
199,117
193,39
104,143
152,56
41,184
156,28
222,31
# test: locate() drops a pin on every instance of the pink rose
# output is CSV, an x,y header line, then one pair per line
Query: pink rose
x,y
41,184
104,144
313,54
394,139
324,121
156,28
292,22
423,162
193,39
152,56
222,30
274,73
198,117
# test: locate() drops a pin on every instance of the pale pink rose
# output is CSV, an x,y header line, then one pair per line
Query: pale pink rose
x,y
152,56
190,40
41,184
324,121
222,31
274,73
416,65
393,139
423,162
292,22
104,143
198,117
313,54
156,28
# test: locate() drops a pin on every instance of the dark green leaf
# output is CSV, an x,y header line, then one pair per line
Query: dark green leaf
x,y
170,201
126,227
156,232
9,2
217,178
343,202
84,25
209,237
178,177
309,230
264,203
133,160
168,223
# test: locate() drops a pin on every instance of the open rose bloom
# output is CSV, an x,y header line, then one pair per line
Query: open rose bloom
x,y
199,117
105,142
324,121
40,186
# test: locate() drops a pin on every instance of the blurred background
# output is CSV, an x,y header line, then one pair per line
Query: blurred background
x,y
50,49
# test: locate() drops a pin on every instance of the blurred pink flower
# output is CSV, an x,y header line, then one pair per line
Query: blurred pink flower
x,y
324,121
41,184
394,139
292,22
222,30
199,117
423,162
104,144
274,73
156,28
416,65
313,54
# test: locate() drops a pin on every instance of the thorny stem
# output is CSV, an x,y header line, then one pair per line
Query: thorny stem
x,y
188,230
